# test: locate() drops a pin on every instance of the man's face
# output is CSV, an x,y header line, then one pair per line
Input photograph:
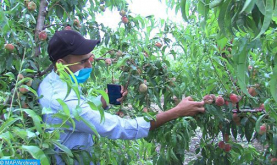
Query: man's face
x,y
76,63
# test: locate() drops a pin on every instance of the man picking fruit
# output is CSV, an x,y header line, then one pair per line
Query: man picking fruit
x,y
71,49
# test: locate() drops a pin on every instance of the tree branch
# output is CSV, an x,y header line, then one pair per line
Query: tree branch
x,y
50,67
40,23
248,110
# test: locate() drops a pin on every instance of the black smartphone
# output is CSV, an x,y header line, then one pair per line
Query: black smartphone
x,y
114,92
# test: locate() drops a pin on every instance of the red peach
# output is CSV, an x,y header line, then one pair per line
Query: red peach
x,y
236,118
42,35
23,90
32,6
234,98
145,109
159,45
252,91
9,47
227,147
20,76
262,129
226,137
122,13
67,28
108,61
219,101
120,113
29,83
208,99
76,22
125,19
273,160
261,106
221,144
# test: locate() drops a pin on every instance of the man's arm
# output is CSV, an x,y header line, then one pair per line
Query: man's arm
x,y
104,104
186,107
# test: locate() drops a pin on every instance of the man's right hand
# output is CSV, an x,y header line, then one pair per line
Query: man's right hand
x,y
188,107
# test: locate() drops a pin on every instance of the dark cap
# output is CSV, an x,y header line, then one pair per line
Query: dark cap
x,y
69,42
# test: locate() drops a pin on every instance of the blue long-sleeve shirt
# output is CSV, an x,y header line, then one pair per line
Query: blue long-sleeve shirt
x,y
113,127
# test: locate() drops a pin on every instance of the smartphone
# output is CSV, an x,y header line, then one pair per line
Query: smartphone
x,y
114,92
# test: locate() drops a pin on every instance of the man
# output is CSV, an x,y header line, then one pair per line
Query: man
x,y
72,49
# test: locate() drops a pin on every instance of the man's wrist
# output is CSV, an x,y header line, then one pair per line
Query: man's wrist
x,y
175,113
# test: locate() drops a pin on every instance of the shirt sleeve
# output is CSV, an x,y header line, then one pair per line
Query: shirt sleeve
x,y
113,126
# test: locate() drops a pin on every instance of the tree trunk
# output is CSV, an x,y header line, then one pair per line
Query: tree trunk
x,y
40,24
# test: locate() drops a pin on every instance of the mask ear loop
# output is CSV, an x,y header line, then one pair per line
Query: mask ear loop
x,y
90,59
72,64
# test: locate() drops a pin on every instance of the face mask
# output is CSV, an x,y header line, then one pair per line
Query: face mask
x,y
82,75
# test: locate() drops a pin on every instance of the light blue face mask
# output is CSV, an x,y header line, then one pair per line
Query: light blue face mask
x,y
82,75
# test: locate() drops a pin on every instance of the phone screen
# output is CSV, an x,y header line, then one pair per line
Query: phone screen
x,y
114,93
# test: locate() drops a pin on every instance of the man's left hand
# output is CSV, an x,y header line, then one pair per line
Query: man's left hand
x,y
124,92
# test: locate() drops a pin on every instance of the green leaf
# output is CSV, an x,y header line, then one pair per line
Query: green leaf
x,y
275,11
7,124
28,71
215,3
64,106
234,130
261,6
248,6
36,153
267,17
122,61
46,110
104,95
10,75
26,79
30,89
222,15
92,105
14,9
90,126
273,84
258,122
203,9
36,119
62,147
184,9
274,142
173,155
76,111
77,157
31,39
85,157
248,130
241,59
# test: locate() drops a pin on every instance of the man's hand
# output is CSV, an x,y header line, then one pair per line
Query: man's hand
x,y
124,93
187,107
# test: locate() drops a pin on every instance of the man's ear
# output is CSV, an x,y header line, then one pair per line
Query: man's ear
x,y
61,61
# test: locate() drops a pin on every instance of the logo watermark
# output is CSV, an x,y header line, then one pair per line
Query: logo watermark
x,y
19,162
